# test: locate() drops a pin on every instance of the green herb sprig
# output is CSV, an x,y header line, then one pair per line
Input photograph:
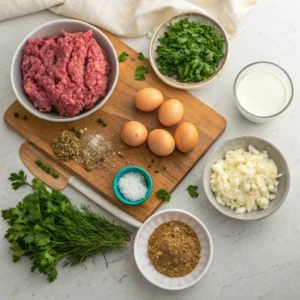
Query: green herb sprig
x,y
192,189
140,72
18,179
123,57
141,56
163,194
48,228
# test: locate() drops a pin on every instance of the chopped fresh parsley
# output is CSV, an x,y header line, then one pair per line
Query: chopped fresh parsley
x,y
140,72
190,51
141,56
46,168
123,57
163,194
192,189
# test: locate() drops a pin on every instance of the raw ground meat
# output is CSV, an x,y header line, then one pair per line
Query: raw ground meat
x,y
67,73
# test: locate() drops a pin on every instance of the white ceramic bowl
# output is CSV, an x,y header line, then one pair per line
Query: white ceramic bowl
x,y
261,145
141,250
54,28
163,27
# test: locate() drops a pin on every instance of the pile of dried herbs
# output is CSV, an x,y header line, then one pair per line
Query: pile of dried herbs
x,y
90,150
66,145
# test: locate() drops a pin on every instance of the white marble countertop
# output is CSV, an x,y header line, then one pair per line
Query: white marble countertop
x,y
252,260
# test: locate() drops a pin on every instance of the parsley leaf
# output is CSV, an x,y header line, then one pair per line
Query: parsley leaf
x,y
189,51
123,57
192,189
141,56
18,180
29,238
140,72
163,194
18,252
38,185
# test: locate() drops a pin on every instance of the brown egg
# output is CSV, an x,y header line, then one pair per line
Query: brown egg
x,y
134,133
170,112
161,142
148,99
186,137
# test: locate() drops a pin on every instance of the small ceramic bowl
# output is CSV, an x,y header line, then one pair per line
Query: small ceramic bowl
x,y
141,250
270,67
163,27
54,28
132,169
261,145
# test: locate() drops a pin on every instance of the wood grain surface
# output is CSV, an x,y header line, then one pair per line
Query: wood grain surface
x,y
29,154
166,172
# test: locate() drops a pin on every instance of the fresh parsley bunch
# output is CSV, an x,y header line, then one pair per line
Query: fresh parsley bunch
x,y
190,51
47,227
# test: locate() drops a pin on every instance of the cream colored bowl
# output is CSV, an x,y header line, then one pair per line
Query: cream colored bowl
x,y
141,250
163,27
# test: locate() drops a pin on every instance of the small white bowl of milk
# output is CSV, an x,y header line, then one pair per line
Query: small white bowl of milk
x,y
263,91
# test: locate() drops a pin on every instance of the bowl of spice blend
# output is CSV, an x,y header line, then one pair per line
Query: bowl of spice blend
x,y
173,249
132,185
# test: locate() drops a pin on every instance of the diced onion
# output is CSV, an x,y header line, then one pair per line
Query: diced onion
x,y
245,180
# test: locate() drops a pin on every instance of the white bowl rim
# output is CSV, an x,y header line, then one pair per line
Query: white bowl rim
x,y
34,110
210,255
237,216
189,85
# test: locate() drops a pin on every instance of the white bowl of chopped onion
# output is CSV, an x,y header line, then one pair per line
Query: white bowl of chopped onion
x,y
142,258
246,178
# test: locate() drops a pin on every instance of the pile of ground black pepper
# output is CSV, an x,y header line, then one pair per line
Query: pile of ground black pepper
x,y
174,249
94,151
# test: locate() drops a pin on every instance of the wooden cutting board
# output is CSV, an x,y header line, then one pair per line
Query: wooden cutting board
x,y
166,172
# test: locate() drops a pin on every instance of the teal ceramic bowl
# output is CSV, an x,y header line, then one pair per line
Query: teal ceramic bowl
x,y
132,169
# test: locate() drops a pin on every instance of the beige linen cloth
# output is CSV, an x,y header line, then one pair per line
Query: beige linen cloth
x,y
131,18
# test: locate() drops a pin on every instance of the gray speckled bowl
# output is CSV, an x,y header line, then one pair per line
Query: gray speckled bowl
x,y
261,145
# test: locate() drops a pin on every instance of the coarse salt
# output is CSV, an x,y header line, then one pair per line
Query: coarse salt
x,y
133,186
96,140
